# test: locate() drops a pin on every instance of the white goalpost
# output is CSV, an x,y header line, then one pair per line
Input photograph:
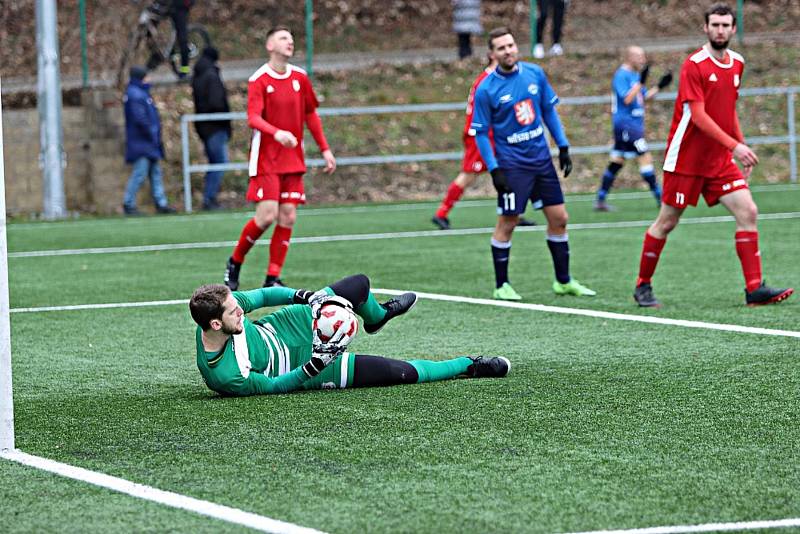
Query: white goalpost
x,y
6,394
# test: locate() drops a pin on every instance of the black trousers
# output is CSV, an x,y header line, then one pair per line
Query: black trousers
x,y
545,6
180,18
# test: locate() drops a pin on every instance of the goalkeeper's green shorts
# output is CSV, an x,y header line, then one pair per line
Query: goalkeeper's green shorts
x,y
292,325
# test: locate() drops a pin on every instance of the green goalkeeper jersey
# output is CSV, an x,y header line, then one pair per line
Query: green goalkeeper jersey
x,y
266,357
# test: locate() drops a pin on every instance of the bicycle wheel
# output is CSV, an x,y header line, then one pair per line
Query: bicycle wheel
x,y
197,38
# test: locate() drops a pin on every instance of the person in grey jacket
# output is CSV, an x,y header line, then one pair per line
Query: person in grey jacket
x,y
466,21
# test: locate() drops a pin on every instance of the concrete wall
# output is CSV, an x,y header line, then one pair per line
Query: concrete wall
x,y
94,143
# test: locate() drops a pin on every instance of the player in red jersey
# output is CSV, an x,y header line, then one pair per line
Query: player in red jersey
x,y
280,100
471,165
704,139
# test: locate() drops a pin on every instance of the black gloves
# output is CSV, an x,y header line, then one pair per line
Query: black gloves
x,y
319,361
564,161
643,75
301,296
665,80
500,181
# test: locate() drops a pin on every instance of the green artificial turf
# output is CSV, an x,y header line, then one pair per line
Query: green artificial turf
x,y
601,424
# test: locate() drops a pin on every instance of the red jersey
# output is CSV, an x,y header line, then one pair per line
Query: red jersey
x,y
716,84
283,100
470,99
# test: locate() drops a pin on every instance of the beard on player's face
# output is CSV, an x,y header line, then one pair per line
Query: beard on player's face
x,y
719,45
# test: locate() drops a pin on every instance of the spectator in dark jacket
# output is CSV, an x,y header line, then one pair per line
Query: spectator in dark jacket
x,y
466,21
143,146
210,96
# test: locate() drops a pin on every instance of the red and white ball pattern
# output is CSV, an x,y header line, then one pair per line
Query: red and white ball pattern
x,y
334,319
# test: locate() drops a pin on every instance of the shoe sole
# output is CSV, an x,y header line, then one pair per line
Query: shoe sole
x,y
508,364
774,300
496,297
571,294
416,298
653,305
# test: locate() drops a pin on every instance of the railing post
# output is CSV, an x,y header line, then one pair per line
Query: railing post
x,y
792,136
187,184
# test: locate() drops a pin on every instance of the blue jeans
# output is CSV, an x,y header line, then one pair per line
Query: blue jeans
x,y
144,168
217,152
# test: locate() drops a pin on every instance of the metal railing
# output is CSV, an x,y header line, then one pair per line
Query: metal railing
x,y
189,168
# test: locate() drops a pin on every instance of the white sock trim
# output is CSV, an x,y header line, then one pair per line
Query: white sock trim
x,y
501,244
563,238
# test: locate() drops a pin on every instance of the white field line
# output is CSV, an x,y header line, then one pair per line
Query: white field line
x,y
167,498
313,212
384,235
486,302
707,527
100,306
600,314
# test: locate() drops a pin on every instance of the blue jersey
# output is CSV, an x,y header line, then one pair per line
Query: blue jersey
x,y
517,106
630,115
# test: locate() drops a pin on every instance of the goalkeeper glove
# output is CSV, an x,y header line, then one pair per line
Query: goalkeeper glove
x,y
564,161
301,296
643,75
318,362
316,300
499,180
665,80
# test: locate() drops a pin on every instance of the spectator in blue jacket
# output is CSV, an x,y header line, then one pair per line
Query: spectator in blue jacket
x,y
143,146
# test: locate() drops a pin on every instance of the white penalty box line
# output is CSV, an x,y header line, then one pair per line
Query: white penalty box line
x,y
148,493
597,314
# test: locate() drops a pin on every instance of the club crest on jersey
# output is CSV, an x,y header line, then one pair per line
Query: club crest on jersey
x,y
736,80
533,89
296,86
525,112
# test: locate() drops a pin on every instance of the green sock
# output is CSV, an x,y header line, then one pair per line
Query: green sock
x,y
371,311
429,371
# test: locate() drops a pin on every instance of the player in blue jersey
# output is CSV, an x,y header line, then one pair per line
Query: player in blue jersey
x,y
516,102
627,109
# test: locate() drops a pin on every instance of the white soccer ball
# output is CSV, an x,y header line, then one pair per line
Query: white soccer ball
x,y
335,323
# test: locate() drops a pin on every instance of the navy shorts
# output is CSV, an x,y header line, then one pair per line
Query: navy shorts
x,y
629,142
540,187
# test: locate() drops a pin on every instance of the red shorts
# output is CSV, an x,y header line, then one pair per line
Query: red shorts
x,y
681,190
282,188
472,162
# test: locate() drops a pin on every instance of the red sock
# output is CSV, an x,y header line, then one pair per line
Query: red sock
x,y
250,233
651,251
278,248
750,257
454,193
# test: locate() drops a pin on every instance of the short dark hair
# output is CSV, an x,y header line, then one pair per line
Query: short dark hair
x,y
498,32
208,303
279,28
720,8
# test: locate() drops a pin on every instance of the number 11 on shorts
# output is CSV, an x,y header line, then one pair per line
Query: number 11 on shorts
x,y
509,202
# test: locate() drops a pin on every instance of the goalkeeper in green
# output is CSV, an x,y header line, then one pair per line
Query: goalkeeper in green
x,y
279,352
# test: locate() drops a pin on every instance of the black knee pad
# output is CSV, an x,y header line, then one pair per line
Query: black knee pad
x,y
354,288
380,371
